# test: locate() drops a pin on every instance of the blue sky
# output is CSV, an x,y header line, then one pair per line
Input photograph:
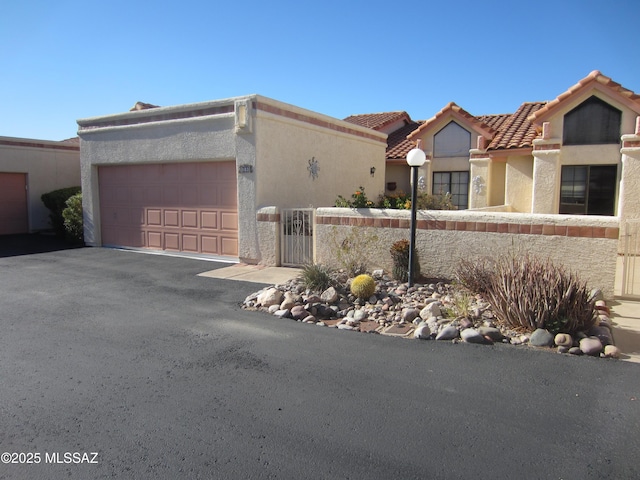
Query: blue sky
x,y
67,59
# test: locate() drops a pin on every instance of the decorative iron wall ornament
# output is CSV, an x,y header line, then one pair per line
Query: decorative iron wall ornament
x,y
422,184
478,184
313,168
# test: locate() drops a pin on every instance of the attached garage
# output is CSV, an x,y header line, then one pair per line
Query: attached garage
x,y
179,207
13,203
196,178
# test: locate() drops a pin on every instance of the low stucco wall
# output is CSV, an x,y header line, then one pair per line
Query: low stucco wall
x,y
584,245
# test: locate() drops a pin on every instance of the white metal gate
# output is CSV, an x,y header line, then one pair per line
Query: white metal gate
x,y
296,233
630,265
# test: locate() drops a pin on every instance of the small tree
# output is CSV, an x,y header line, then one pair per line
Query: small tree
x,y
72,216
55,201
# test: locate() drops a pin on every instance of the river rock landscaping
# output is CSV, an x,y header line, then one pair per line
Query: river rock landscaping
x,y
433,310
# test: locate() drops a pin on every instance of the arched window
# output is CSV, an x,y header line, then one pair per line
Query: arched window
x,y
452,141
593,122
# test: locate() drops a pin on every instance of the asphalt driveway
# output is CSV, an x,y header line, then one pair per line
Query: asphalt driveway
x,y
160,374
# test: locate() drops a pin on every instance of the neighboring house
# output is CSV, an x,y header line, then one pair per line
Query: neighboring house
x,y
577,154
29,168
192,178
397,125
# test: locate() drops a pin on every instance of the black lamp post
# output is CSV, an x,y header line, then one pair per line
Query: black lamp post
x,y
415,159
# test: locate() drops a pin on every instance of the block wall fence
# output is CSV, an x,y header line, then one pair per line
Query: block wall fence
x,y
586,245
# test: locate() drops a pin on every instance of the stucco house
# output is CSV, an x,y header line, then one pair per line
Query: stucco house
x,y
28,169
577,154
200,178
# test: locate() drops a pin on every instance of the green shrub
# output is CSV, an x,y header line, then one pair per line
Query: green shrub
x,y
358,200
531,293
72,215
363,286
400,256
316,277
398,201
55,201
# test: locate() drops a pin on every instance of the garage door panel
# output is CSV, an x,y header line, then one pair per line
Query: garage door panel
x,y
229,246
154,217
154,239
229,221
190,219
172,241
209,220
190,243
178,207
209,244
171,218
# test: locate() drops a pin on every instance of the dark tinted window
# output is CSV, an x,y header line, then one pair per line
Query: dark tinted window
x,y
593,122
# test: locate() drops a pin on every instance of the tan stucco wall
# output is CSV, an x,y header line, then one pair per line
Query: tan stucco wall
x,y
285,146
497,182
519,183
479,169
401,174
450,164
629,199
47,169
593,259
590,154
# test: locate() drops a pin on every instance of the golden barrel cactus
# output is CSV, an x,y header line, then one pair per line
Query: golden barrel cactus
x,y
363,286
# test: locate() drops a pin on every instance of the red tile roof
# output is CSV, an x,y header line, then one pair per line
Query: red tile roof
x,y
376,121
494,121
452,108
517,131
397,144
504,131
594,80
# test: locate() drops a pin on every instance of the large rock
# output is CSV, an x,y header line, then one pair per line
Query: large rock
x,y
591,346
410,314
471,335
493,333
603,334
359,315
447,333
611,351
299,312
329,295
423,332
541,338
289,301
563,340
430,310
271,296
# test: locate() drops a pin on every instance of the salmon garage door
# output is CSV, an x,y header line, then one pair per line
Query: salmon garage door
x,y
13,203
181,207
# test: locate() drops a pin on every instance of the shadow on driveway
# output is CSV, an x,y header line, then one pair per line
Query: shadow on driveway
x,y
26,244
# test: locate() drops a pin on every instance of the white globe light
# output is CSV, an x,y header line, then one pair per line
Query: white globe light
x,y
416,158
